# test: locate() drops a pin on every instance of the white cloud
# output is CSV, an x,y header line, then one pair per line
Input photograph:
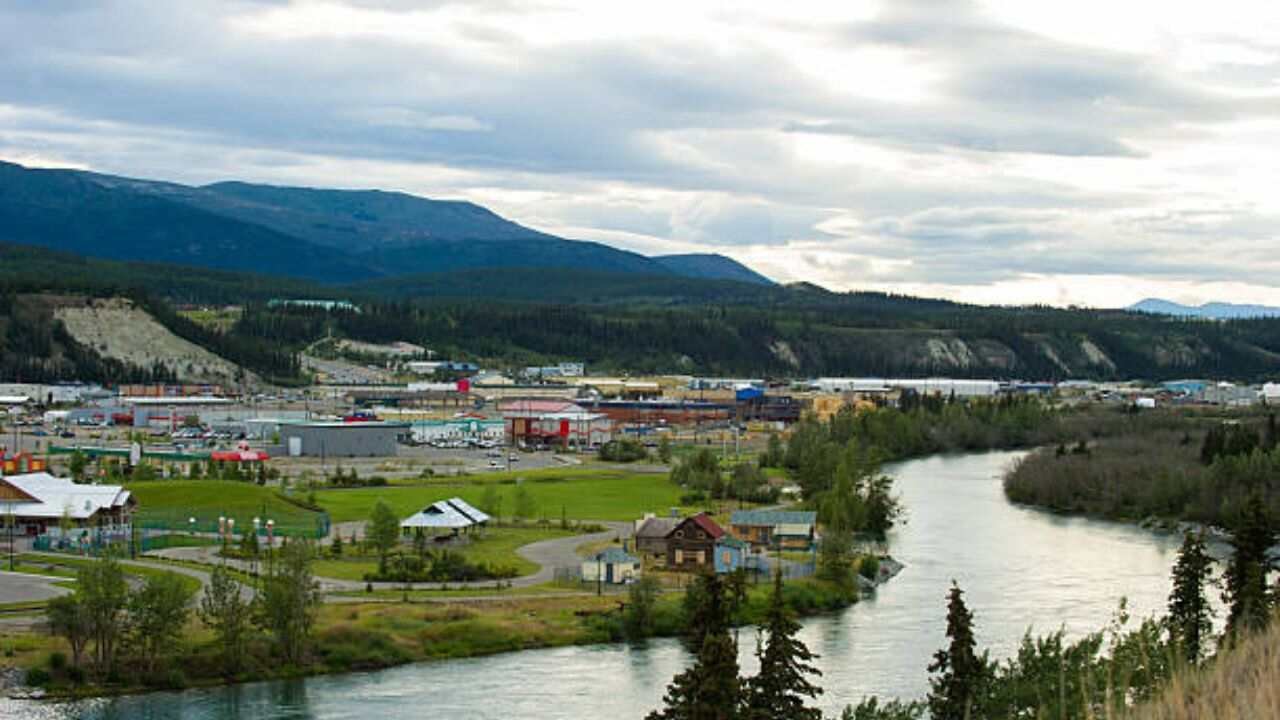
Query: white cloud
x,y
997,151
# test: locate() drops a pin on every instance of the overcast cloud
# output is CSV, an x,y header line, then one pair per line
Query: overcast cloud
x,y
1004,151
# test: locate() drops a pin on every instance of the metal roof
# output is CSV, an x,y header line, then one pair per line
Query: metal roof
x,y
60,496
452,514
773,517
614,556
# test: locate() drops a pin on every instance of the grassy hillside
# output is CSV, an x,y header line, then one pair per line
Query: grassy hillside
x,y
1243,684
582,493
174,501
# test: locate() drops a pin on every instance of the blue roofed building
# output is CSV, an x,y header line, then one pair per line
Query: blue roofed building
x,y
612,566
784,529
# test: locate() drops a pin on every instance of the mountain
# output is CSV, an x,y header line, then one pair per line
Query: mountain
x,y
1208,311
72,211
710,266
317,234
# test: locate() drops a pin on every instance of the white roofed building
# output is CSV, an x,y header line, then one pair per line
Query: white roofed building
x,y
40,502
452,516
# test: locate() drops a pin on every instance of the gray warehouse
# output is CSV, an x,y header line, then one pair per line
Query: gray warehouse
x,y
341,439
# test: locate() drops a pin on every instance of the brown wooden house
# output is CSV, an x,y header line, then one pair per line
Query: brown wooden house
x,y
651,538
691,544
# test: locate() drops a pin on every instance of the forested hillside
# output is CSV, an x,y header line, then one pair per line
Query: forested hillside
x,y
640,323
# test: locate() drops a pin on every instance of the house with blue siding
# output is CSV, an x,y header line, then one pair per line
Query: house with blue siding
x,y
775,529
731,554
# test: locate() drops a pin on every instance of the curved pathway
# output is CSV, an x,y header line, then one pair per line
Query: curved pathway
x,y
548,555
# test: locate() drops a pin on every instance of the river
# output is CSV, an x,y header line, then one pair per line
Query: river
x,y
1019,568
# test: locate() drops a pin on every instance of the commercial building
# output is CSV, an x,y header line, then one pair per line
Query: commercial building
x,y
341,439
459,429
554,422
41,503
924,386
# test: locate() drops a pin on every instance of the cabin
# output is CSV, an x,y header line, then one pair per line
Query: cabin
x,y
774,529
651,538
691,544
445,517
612,566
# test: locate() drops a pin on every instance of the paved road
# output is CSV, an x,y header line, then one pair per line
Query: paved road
x,y
201,575
21,588
547,554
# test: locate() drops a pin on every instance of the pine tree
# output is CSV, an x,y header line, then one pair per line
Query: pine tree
x,y
711,689
1190,616
957,689
781,689
1245,579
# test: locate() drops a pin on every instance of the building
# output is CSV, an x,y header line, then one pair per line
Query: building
x,y
731,554
945,387
554,422
653,413
784,529
452,516
612,566
342,439
560,370
41,504
1271,394
651,537
691,544
1225,393
425,431
20,463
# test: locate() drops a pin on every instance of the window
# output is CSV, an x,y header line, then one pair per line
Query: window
x,y
679,557
727,558
701,557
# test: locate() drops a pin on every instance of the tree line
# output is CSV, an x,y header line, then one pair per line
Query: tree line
x,y
123,636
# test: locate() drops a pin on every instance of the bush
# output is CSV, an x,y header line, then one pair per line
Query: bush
x,y
624,451
57,661
38,677
869,568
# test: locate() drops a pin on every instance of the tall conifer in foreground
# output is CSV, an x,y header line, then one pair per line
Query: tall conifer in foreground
x,y
711,688
1245,579
781,689
1190,616
960,675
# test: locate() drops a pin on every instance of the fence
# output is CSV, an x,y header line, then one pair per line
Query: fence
x,y
312,525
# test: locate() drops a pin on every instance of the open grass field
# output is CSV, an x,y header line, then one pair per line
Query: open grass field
x,y
497,548
173,501
583,494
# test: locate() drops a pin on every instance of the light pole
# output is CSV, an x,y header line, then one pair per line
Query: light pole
x,y
257,523
11,519
191,524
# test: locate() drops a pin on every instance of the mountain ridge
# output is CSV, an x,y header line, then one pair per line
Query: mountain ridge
x,y
330,235
1210,310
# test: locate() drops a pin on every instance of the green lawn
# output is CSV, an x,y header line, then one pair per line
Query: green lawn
x,y
497,547
73,564
589,493
173,501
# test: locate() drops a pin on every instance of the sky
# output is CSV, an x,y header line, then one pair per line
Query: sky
x,y
1009,151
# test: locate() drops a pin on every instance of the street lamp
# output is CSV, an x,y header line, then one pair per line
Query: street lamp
x,y
257,524
191,523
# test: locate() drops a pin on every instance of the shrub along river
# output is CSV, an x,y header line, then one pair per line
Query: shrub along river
x,y
1019,567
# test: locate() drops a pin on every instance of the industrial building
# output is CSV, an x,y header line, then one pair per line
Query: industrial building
x,y
554,422
945,387
342,439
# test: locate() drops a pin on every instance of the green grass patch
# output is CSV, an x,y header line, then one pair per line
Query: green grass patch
x,y
496,548
590,493
75,563
172,502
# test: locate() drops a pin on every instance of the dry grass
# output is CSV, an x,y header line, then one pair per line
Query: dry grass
x,y
1242,684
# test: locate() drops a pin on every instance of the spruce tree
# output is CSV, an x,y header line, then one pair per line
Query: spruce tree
x,y
1190,616
711,688
1245,579
781,689
960,675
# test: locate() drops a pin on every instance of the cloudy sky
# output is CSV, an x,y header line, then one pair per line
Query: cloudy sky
x,y
1007,151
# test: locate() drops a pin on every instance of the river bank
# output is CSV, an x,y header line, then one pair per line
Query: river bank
x,y
353,637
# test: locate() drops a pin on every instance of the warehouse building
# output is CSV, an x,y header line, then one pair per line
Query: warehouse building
x,y
342,439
